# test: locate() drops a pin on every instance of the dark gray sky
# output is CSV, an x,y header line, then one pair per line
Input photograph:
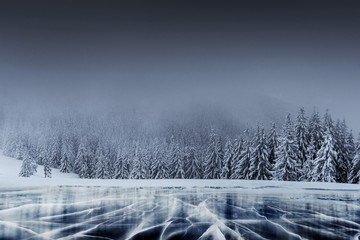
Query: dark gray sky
x,y
299,52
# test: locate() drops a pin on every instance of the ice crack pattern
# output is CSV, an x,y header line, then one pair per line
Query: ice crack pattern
x,y
177,213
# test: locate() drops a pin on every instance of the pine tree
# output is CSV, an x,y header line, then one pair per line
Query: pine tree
x,y
122,170
54,153
47,168
178,163
339,136
213,159
66,159
310,159
355,169
259,163
138,170
286,164
243,158
316,130
227,160
28,166
273,144
82,161
325,162
100,166
193,167
350,152
301,136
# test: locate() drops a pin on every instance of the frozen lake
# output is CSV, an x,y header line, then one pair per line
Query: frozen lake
x,y
265,212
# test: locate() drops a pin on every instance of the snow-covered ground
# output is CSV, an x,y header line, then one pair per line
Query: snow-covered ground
x,y
10,167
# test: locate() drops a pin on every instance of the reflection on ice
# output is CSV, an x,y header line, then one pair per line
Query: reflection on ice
x,y
161,213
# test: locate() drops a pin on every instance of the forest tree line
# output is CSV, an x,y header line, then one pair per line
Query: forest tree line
x,y
313,148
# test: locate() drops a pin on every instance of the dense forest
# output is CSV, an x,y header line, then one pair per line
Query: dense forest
x,y
306,148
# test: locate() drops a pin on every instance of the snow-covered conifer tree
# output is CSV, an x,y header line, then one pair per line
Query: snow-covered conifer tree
x,y
213,159
273,144
287,166
66,159
47,168
309,163
54,153
243,158
301,136
316,130
138,170
82,161
101,164
193,167
28,166
178,162
355,164
226,170
260,168
325,162
122,170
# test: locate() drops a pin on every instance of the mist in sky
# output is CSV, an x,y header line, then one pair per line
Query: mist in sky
x,y
238,56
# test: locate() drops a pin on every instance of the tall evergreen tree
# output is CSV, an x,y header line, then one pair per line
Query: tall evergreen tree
x,y
46,163
28,166
122,170
243,158
286,164
355,164
178,171
273,144
259,163
66,159
82,163
193,167
309,164
342,163
100,166
227,160
139,168
316,130
325,162
301,136
213,159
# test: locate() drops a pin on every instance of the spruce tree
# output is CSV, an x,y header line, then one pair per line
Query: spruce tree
x,y
193,167
213,159
82,161
66,159
28,166
287,166
301,136
355,164
243,158
47,168
100,166
227,160
339,136
316,130
260,168
325,162
178,163
273,144
138,170
122,170
309,164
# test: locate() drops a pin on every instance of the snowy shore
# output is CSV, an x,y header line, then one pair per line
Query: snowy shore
x,y
10,167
